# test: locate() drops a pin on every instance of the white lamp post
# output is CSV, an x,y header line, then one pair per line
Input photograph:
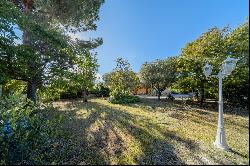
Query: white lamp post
x,y
227,67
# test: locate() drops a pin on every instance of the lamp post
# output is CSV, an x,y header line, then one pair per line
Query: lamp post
x,y
225,70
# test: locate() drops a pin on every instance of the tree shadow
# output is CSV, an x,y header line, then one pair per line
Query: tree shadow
x,y
108,141
100,133
228,108
204,114
209,106
154,150
188,112
75,148
237,153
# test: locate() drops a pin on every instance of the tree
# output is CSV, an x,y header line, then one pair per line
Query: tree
x,y
213,47
236,86
210,47
82,75
100,90
122,80
46,49
159,74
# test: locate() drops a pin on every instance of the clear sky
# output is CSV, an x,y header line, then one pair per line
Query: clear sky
x,y
144,30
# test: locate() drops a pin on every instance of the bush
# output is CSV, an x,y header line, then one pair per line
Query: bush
x,y
120,98
27,135
70,95
10,86
100,90
237,95
125,100
48,94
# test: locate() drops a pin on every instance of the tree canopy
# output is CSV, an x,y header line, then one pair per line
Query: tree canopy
x,y
122,80
46,52
213,47
159,74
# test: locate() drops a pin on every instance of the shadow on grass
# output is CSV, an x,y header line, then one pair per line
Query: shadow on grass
x,y
191,111
237,153
76,149
109,134
108,142
180,105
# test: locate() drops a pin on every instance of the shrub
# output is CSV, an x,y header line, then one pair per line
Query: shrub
x,y
125,100
48,94
237,95
100,90
70,95
27,135
117,97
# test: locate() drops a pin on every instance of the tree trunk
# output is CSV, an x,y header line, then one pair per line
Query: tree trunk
x,y
202,94
146,90
4,89
197,95
193,94
159,94
85,99
31,85
31,91
1,90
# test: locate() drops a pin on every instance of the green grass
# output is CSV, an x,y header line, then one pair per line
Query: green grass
x,y
149,132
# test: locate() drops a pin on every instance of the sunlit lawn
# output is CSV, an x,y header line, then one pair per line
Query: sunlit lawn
x,y
150,132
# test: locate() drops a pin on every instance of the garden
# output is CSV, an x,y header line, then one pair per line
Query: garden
x,y
53,111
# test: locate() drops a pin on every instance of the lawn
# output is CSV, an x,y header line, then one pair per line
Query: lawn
x,y
149,132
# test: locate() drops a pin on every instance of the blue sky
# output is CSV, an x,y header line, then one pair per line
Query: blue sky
x,y
144,30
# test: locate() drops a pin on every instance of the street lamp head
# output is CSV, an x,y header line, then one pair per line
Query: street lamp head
x,y
207,70
228,66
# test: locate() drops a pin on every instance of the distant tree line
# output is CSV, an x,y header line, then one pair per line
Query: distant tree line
x,y
185,72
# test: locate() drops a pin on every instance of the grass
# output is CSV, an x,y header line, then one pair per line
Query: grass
x,y
149,132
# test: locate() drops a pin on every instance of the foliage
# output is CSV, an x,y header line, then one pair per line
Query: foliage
x,y
209,47
49,93
16,57
116,98
27,135
159,74
70,95
100,90
122,80
73,82
236,86
213,47
46,51
11,86
82,75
